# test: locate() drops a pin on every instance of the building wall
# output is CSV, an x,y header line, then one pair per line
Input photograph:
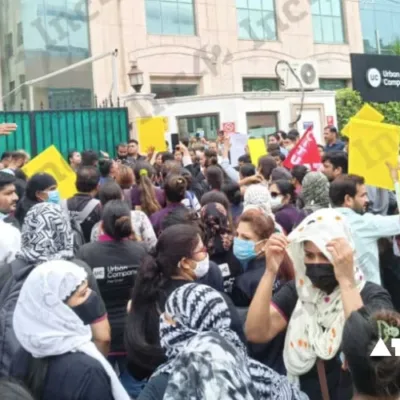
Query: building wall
x,y
215,55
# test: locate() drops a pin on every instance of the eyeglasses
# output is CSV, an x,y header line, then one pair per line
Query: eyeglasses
x,y
275,194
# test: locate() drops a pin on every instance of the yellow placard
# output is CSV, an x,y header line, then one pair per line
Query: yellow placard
x,y
371,146
367,113
52,162
151,133
257,149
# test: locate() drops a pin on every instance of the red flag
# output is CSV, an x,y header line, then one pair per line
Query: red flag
x,y
305,152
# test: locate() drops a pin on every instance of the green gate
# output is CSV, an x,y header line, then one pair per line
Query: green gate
x,y
83,129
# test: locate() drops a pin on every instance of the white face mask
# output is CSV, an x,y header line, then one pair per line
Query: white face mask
x,y
202,267
276,201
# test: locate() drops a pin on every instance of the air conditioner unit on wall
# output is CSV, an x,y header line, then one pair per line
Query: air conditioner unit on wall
x,y
306,70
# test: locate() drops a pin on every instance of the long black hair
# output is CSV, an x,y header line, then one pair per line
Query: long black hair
x,y
142,341
117,220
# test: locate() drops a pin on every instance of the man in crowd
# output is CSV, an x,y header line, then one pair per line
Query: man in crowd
x,y
84,203
89,158
122,152
335,164
8,195
290,141
332,141
18,160
349,194
133,151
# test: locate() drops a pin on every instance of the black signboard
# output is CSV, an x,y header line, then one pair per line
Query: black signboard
x,y
376,77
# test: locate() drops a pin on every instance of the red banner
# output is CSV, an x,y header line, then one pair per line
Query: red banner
x,y
305,152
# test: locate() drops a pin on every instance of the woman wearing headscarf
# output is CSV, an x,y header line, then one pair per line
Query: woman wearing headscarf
x,y
46,236
328,286
218,239
258,196
315,192
197,318
40,188
61,360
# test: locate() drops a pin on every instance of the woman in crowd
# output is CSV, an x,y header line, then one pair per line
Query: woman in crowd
x,y
315,192
218,238
313,307
374,378
145,196
253,232
60,361
191,201
298,173
108,171
258,197
40,188
125,180
280,173
218,197
175,191
266,165
180,258
141,224
283,198
74,159
196,335
114,260
232,192
178,155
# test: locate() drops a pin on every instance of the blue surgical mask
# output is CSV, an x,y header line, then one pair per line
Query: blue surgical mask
x,y
54,196
244,250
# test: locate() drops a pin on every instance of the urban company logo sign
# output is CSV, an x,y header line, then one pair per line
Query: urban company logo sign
x,y
388,78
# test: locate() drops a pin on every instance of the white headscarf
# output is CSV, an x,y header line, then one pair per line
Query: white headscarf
x,y
46,326
306,339
258,197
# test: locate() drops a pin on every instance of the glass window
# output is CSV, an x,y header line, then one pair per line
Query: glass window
x,y
24,90
12,96
163,91
332,84
170,17
9,45
260,84
208,125
327,21
380,19
261,124
256,19
20,36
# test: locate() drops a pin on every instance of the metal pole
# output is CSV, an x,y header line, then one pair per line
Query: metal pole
x,y
114,77
31,98
378,42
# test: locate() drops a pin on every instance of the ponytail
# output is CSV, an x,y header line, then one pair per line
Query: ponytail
x,y
148,199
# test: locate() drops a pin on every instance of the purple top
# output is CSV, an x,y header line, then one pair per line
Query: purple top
x,y
157,218
289,217
135,196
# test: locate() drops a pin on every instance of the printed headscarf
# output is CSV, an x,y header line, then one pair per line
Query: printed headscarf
x,y
315,191
218,236
316,325
46,235
193,310
46,326
258,197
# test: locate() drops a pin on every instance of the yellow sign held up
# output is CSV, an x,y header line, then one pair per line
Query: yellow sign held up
x,y
257,149
367,113
151,133
371,146
52,162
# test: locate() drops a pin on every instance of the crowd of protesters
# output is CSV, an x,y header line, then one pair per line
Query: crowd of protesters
x,y
178,275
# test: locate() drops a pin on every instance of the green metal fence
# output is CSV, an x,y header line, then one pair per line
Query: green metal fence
x,y
96,129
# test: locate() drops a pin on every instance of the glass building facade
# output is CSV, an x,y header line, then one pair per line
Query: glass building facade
x,y
380,25
38,37
327,19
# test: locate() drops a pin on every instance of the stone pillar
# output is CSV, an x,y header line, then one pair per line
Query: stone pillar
x,y
139,105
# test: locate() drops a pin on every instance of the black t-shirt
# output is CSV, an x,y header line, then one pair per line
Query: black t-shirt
x,y
339,382
114,265
230,268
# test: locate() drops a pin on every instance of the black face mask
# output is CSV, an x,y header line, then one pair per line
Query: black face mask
x,y
90,310
322,276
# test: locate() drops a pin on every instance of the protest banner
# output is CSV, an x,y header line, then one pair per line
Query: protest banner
x,y
257,149
151,133
52,162
305,152
238,146
372,145
367,113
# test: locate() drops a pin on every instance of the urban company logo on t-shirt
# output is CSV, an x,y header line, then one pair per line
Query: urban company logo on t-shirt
x,y
113,272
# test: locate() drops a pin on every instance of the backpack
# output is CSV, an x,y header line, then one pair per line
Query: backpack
x,y
13,277
76,219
